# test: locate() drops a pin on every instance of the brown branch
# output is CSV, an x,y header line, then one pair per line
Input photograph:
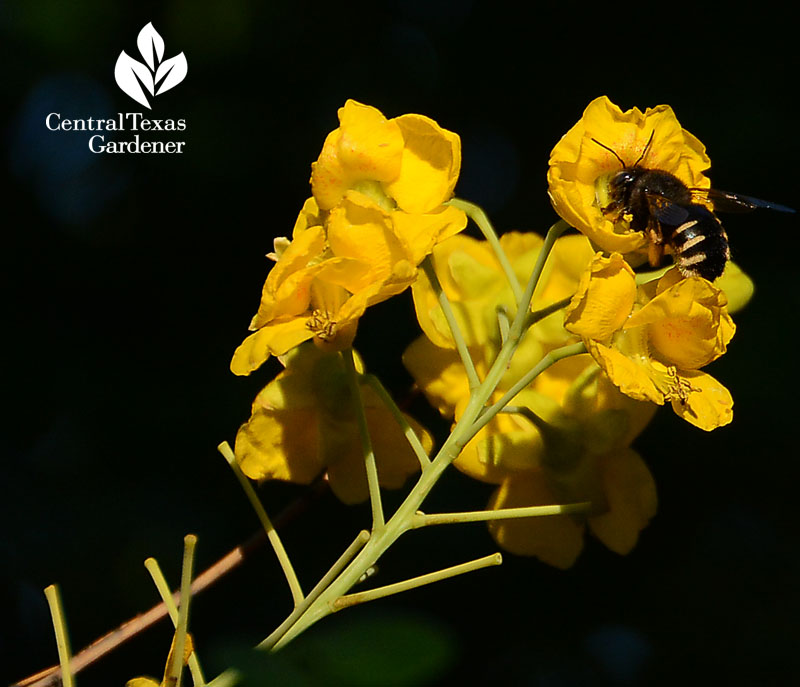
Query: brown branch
x,y
51,677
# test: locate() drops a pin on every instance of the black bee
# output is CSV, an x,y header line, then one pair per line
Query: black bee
x,y
672,215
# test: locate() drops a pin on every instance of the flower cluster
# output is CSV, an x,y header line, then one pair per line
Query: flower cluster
x,y
303,423
377,209
566,437
567,371
650,339
379,190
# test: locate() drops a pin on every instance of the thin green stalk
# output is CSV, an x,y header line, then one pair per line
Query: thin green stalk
x,y
549,359
321,586
272,534
62,639
425,519
408,431
181,627
164,591
538,315
449,315
477,215
381,592
366,442
503,324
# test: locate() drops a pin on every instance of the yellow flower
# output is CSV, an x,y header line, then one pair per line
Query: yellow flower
x,y
406,167
325,278
579,166
652,341
408,162
304,423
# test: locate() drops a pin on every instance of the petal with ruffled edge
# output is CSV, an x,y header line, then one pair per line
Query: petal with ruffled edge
x,y
708,404
604,299
360,230
419,233
272,339
431,164
687,322
365,147
629,375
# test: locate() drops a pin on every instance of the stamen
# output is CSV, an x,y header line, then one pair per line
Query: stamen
x,y
322,325
674,387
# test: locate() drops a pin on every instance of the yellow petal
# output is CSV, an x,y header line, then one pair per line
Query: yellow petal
x,y
470,277
708,405
360,230
280,444
687,323
344,457
737,287
273,339
365,147
604,299
554,539
420,232
631,501
431,163
508,444
310,216
438,372
629,375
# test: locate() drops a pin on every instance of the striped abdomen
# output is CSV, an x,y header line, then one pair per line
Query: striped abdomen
x,y
700,244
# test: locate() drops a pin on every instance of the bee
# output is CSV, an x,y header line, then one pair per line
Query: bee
x,y
674,216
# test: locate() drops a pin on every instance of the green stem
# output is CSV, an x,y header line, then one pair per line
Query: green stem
x,y
539,315
62,640
321,586
424,519
164,591
477,215
503,324
181,627
272,534
408,431
551,358
420,581
366,442
449,315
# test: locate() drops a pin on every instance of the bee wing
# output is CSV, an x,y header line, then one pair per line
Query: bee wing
x,y
724,201
664,210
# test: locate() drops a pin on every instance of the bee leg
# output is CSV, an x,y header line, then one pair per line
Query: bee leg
x,y
655,248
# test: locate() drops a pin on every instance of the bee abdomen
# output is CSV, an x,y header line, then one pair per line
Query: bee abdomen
x,y
701,248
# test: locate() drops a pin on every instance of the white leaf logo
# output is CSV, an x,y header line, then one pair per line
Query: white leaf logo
x,y
155,75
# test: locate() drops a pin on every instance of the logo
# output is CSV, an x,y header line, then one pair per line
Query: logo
x,y
156,75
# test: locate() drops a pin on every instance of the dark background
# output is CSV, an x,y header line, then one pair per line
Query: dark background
x,y
130,279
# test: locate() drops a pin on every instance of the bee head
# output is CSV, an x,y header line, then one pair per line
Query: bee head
x,y
613,186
